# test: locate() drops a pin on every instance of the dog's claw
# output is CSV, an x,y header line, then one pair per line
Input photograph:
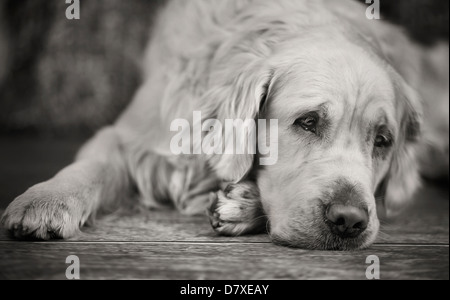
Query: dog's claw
x,y
214,217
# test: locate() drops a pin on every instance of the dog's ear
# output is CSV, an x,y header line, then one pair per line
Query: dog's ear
x,y
237,93
403,178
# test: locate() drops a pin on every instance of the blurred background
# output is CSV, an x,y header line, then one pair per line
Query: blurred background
x,y
60,77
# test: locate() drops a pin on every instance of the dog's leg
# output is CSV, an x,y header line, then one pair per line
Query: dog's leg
x,y
59,207
197,195
161,180
237,210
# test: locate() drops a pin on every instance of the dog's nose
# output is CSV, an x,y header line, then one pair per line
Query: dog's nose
x,y
347,221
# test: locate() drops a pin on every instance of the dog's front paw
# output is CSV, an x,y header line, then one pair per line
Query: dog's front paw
x,y
236,211
44,212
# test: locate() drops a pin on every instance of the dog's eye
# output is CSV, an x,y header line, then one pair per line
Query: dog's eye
x,y
308,123
383,140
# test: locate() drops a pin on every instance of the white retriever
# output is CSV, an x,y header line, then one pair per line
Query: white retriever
x,y
339,86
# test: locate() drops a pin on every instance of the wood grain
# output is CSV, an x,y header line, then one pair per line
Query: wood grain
x,y
187,261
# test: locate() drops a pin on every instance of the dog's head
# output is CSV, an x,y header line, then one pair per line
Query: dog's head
x,y
347,129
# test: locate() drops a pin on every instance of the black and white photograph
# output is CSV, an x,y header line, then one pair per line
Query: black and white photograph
x,y
224,145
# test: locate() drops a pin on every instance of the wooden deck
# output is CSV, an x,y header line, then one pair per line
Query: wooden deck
x,y
165,245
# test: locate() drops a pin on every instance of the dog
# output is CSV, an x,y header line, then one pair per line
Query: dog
x,y
353,132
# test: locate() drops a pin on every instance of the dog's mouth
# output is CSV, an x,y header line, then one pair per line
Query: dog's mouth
x,y
341,229
323,237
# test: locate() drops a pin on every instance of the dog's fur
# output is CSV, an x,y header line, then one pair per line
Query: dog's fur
x,y
249,59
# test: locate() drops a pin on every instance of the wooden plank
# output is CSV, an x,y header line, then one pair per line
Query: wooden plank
x,y
192,261
426,222
160,227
